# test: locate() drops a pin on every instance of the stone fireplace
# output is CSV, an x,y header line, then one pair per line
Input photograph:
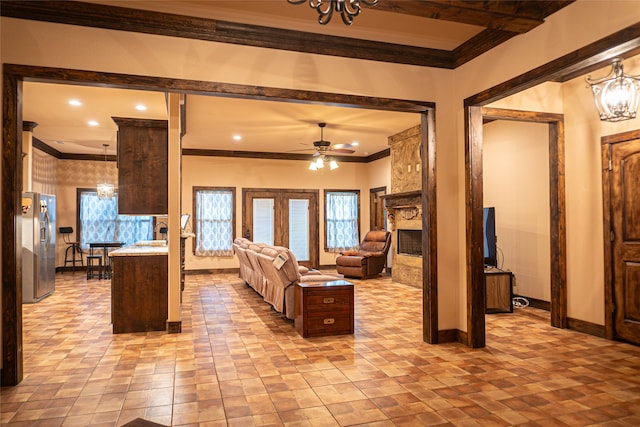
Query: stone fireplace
x,y
404,207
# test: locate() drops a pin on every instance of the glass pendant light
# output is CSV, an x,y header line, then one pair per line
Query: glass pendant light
x,y
105,189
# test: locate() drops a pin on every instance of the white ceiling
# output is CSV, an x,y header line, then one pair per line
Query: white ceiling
x,y
265,126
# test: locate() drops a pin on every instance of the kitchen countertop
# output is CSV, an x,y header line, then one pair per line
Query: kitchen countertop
x,y
138,250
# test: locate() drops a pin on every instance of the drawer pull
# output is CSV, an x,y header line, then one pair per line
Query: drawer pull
x,y
328,300
329,321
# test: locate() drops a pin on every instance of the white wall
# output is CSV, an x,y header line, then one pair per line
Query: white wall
x,y
516,182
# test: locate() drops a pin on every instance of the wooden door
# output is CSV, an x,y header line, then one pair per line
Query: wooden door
x,y
376,209
284,218
624,211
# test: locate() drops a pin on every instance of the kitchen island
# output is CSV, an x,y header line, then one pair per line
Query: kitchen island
x,y
139,287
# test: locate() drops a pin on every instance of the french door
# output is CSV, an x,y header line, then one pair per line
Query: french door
x,y
283,218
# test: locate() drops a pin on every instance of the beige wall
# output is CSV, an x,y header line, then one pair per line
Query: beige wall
x,y
66,46
283,174
583,183
516,182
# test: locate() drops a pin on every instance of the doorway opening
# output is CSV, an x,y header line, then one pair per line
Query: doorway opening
x,y
13,77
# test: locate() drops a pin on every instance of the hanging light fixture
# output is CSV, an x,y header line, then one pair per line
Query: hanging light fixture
x,y
348,9
106,190
617,94
320,161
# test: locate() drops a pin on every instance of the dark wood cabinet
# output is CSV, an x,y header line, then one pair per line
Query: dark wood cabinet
x,y
324,308
143,154
139,293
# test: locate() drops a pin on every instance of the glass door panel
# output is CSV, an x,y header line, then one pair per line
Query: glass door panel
x,y
263,221
299,228
283,217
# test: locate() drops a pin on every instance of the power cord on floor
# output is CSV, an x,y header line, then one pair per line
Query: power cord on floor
x,y
520,302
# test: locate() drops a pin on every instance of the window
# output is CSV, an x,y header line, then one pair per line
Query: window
x,y
214,220
342,216
99,221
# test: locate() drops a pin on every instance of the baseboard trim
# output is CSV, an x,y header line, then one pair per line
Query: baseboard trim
x,y
212,271
452,335
78,268
586,327
174,327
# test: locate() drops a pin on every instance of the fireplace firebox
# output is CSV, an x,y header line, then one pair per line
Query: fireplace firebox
x,y
410,242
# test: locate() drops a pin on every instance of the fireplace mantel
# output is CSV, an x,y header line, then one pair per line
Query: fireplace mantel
x,y
403,200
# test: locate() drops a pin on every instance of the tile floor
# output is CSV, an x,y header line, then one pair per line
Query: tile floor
x,y
238,364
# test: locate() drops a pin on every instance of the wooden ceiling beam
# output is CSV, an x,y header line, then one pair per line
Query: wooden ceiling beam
x,y
515,15
143,21
481,43
512,16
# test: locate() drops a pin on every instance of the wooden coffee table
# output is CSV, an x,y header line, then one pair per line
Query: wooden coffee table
x,y
324,308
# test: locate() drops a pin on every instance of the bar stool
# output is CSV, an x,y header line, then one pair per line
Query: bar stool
x,y
94,266
73,248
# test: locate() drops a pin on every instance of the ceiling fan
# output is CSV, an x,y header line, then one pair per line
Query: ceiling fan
x,y
323,147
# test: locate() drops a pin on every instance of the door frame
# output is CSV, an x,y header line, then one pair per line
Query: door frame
x,y
557,219
624,43
280,193
372,193
609,298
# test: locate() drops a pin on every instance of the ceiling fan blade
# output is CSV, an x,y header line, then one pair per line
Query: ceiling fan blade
x,y
340,146
301,149
342,150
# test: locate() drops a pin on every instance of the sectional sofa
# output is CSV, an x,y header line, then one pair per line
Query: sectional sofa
x,y
273,271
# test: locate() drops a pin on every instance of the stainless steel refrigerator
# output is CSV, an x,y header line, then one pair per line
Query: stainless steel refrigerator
x,y
38,246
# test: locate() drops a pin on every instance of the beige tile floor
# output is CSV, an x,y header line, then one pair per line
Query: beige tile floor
x,y
238,364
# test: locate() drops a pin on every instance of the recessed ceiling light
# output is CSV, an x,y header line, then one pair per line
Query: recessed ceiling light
x,y
93,123
141,107
355,143
237,137
75,102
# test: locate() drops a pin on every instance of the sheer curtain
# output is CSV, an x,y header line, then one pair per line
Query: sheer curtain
x,y
100,222
214,223
342,221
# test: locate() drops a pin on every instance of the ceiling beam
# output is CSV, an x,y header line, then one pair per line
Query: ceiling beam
x,y
503,20
512,16
149,22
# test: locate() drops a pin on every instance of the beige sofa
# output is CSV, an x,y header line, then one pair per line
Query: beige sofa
x,y
273,271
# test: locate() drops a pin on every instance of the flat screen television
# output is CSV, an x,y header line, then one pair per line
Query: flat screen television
x,y
490,249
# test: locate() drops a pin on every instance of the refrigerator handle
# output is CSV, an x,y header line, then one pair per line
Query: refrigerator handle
x,y
45,229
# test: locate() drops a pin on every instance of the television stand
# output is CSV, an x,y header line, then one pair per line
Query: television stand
x,y
499,290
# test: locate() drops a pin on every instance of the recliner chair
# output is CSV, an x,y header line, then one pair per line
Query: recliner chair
x,y
369,260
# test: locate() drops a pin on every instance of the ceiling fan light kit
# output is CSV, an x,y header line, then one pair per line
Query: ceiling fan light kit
x,y
322,147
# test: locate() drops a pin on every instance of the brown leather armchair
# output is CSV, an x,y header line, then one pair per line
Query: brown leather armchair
x,y
369,260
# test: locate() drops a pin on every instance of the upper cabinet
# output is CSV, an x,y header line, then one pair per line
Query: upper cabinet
x,y
143,154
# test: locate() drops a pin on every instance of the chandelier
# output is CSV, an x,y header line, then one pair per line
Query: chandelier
x,y
348,9
320,161
105,189
617,94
